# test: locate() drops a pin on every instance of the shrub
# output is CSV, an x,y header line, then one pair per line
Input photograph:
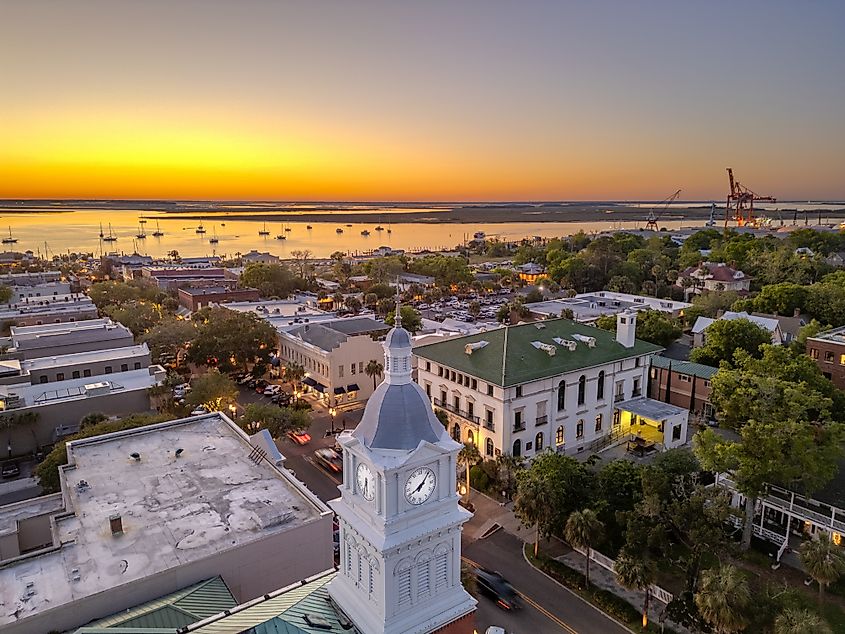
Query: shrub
x,y
478,479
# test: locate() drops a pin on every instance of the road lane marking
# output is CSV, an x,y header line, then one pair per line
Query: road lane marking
x,y
310,461
532,603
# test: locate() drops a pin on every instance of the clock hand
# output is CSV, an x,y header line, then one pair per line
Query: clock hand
x,y
422,482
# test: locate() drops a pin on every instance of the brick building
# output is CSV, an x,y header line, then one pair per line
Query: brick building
x,y
827,349
193,298
683,384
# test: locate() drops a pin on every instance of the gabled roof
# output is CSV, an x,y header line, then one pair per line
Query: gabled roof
x,y
510,358
767,323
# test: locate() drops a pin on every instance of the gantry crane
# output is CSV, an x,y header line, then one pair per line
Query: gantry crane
x,y
739,205
654,215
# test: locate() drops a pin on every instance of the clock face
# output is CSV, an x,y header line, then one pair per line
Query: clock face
x,y
366,482
420,485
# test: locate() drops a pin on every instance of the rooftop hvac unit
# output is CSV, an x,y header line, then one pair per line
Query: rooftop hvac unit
x,y
566,343
548,348
590,341
472,347
98,388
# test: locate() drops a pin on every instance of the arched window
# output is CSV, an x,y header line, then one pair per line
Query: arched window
x,y
600,386
456,433
441,566
582,389
561,396
517,447
423,574
538,441
488,447
403,582
598,422
470,437
559,436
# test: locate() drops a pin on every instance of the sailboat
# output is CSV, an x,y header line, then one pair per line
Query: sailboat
x,y
158,232
365,232
143,221
309,227
288,228
213,239
264,232
200,228
101,230
281,236
10,239
111,237
141,235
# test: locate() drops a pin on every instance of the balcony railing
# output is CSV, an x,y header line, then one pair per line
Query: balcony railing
x,y
541,420
457,411
519,426
490,425
618,397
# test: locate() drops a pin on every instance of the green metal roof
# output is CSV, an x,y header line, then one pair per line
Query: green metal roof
x,y
174,610
285,610
509,358
684,367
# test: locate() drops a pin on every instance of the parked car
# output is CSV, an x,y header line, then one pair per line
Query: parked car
x,y
299,437
202,409
10,470
496,587
272,390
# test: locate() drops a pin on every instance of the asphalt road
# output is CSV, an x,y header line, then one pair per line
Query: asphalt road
x,y
548,606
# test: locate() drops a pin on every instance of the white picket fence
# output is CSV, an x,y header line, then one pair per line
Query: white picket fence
x,y
606,562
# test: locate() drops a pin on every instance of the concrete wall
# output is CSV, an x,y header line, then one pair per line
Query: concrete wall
x,y
693,394
67,414
63,347
59,317
94,369
250,571
47,289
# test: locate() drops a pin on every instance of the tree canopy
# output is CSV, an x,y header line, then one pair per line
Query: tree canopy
x,y
213,390
411,319
228,339
276,420
271,280
726,336
653,326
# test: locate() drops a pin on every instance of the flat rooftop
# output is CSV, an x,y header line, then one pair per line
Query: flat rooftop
x,y
590,306
837,335
276,308
174,510
651,408
83,387
81,358
31,338
42,329
214,290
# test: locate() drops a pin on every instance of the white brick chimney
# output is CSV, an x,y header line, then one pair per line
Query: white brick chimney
x,y
626,328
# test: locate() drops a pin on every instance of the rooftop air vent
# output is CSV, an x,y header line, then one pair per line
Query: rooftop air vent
x,y
590,341
566,343
116,524
472,347
548,348
135,456
539,325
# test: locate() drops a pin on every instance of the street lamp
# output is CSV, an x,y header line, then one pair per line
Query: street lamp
x,y
332,414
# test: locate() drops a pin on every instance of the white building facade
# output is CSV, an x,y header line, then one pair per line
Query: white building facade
x,y
554,385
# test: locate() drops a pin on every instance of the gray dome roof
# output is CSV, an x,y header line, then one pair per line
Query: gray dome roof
x,y
398,417
398,338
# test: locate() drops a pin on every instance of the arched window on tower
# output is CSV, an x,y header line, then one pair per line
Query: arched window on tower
x,y
442,554
403,582
424,574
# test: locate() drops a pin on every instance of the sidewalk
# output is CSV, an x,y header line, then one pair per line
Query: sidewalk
x,y
490,516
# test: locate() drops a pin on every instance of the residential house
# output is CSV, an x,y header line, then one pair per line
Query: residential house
x,y
256,257
683,384
769,323
588,307
714,277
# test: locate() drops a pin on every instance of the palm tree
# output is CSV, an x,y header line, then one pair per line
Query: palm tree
x,y
294,373
797,621
636,573
373,369
722,599
469,456
531,505
823,560
582,530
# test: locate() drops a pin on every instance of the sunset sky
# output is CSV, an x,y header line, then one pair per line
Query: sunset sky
x,y
431,100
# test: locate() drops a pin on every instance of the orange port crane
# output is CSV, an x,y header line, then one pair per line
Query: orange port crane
x,y
739,205
656,212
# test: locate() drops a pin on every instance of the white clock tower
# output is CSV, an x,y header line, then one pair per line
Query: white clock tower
x,y
400,522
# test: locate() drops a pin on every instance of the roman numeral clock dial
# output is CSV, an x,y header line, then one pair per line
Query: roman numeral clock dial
x,y
420,485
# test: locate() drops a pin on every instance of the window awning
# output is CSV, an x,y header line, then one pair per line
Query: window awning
x,y
352,387
309,381
338,391
319,387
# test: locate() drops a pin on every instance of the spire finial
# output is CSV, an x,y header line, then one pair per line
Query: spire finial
x,y
397,320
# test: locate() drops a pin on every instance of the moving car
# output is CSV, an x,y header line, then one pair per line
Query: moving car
x,y
299,437
329,460
495,586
